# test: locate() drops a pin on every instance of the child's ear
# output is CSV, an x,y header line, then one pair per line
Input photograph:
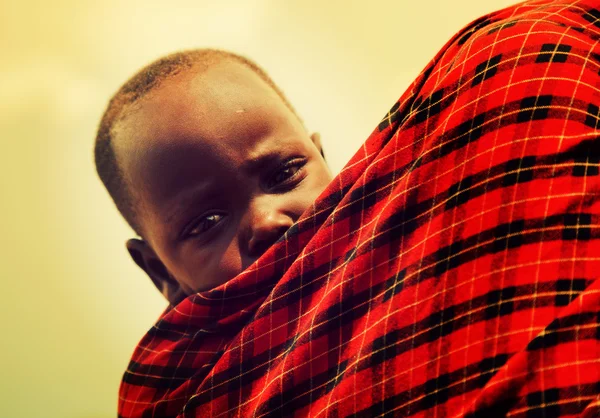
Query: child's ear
x,y
316,139
146,259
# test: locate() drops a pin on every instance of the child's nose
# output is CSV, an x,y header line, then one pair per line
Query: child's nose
x,y
266,227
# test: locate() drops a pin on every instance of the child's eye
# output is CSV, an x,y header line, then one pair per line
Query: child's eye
x,y
204,224
288,172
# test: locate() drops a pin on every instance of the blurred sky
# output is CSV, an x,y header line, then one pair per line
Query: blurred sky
x,y
73,305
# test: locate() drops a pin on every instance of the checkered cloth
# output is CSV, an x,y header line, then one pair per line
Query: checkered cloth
x,y
450,269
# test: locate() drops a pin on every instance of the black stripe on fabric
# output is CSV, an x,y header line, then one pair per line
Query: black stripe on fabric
x,y
237,375
445,321
486,69
493,304
303,394
473,28
395,114
459,193
429,106
509,235
587,159
392,116
447,259
500,302
297,288
168,382
493,120
534,108
163,377
556,402
502,26
178,331
519,170
336,317
371,192
569,289
544,403
553,53
553,402
408,218
520,111
342,313
326,205
437,391
368,195
464,134
566,329
502,237
578,226
592,16
593,116
394,285
598,329
168,331
216,299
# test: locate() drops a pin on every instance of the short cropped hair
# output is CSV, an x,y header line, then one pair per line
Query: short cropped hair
x,y
144,81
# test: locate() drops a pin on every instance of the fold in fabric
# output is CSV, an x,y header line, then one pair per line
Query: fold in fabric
x,y
450,269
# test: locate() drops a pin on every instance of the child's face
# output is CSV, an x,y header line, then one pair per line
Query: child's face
x,y
220,167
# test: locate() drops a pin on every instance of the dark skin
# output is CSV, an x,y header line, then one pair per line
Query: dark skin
x,y
219,168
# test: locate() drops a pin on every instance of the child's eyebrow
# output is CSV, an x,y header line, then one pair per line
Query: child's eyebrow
x,y
183,201
254,164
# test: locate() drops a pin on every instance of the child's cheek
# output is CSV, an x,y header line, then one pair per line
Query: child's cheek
x,y
213,266
230,263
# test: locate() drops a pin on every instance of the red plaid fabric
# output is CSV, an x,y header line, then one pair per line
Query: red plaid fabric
x,y
450,269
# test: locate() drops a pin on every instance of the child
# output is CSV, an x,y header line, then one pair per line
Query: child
x,y
450,269
210,165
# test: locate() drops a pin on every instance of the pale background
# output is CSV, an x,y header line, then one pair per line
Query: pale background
x,y
72,304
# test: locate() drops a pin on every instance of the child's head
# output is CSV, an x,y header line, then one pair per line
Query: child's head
x,y
209,164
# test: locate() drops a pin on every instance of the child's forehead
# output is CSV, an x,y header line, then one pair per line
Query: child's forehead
x,y
223,81
227,102
216,93
210,99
